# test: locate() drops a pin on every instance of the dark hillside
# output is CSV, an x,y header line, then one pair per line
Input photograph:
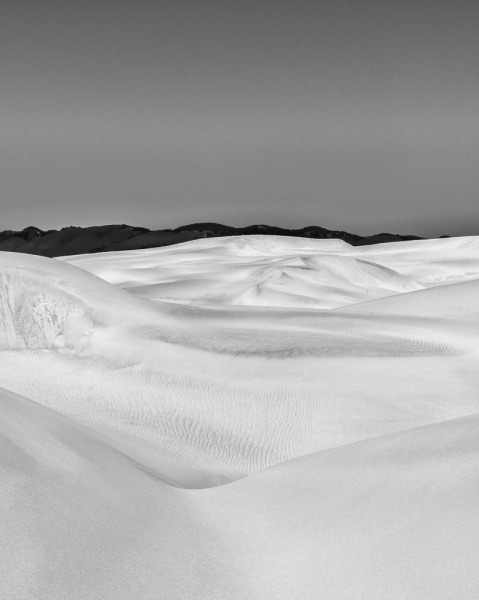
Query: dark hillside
x,y
107,238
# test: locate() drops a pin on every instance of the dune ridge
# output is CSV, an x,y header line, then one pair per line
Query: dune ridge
x,y
251,417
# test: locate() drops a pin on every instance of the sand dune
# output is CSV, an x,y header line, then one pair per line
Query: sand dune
x,y
250,270
393,517
428,262
248,418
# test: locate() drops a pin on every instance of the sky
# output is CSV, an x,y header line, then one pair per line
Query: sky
x,y
359,115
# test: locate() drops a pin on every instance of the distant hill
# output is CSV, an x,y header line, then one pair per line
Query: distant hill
x,y
108,238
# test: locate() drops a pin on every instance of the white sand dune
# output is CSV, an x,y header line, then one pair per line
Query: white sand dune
x,y
428,262
245,270
251,418
392,517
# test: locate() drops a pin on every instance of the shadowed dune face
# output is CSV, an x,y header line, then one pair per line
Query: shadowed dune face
x,y
249,418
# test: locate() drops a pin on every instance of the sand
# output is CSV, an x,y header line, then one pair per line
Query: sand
x,y
241,418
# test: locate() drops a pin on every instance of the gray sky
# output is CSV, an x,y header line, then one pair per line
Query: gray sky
x,y
355,115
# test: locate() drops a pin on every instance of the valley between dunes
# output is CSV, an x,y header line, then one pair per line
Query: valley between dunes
x,y
241,418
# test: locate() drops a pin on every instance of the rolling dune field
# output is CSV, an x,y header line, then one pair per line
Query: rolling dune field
x,y
241,418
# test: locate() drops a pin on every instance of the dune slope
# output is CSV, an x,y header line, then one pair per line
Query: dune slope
x,y
393,517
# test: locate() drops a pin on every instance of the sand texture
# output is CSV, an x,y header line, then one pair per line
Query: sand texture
x,y
241,418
